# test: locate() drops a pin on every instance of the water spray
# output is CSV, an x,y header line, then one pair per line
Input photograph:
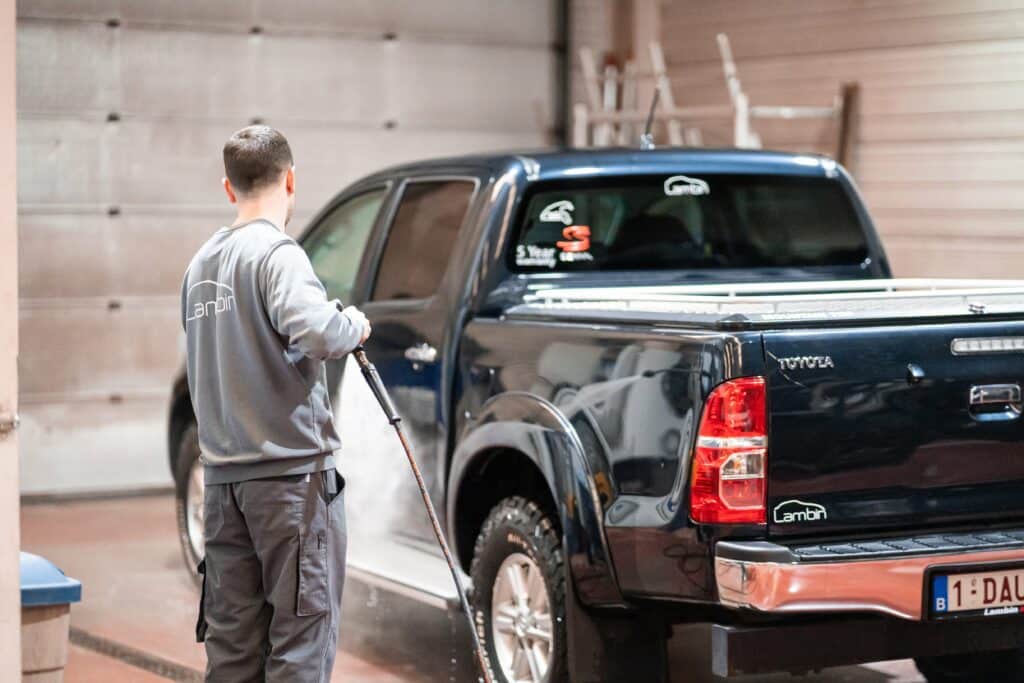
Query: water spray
x,y
381,394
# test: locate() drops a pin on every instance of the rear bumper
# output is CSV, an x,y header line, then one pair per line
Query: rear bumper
x,y
886,578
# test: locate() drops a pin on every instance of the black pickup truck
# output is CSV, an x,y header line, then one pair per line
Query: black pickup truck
x,y
652,388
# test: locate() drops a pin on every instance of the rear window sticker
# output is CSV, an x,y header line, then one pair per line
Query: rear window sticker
x,y
558,212
577,238
680,185
528,255
576,246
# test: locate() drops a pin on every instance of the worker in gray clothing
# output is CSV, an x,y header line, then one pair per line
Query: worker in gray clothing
x,y
258,328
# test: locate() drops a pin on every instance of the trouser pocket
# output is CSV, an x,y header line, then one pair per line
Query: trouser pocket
x,y
312,596
201,621
334,484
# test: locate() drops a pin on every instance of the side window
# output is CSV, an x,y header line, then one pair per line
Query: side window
x,y
336,245
421,239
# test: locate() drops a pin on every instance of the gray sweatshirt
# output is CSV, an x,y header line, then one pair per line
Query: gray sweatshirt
x,y
258,326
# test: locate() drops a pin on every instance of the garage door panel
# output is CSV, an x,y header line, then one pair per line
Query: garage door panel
x,y
90,348
64,162
186,12
529,22
78,73
159,68
94,446
454,86
96,255
327,158
342,80
168,162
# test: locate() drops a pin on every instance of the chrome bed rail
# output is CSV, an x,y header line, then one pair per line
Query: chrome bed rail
x,y
785,301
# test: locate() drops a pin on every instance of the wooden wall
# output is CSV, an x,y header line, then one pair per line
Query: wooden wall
x,y
939,146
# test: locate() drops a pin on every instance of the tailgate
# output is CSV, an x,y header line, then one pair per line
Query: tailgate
x,y
887,427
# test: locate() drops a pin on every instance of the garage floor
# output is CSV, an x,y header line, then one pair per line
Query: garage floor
x,y
136,620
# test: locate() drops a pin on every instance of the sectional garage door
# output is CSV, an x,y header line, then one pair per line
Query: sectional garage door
x,y
122,110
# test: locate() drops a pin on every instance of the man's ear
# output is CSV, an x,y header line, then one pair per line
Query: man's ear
x,y
289,180
229,190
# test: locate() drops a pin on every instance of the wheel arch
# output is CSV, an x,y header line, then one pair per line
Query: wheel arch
x,y
521,444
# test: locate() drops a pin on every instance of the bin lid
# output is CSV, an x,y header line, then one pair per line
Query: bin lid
x,y
43,584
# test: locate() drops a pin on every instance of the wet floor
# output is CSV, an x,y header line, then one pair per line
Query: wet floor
x,y
138,599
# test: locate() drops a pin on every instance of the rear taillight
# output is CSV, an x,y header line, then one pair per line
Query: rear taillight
x,y
727,485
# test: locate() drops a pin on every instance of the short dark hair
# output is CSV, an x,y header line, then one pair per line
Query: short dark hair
x,y
255,157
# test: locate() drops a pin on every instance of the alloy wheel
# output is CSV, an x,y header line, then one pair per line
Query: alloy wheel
x,y
521,620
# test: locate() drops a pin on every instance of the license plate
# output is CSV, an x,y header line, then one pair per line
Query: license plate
x,y
988,594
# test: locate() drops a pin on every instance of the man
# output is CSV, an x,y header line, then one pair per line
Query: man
x,y
258,327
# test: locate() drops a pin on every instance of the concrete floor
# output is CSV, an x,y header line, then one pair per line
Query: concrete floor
x,y
138,599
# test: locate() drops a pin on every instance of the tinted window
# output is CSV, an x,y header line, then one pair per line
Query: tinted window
x,y
421,239
681,222
336,245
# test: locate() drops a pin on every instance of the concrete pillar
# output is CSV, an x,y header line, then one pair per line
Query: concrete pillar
x,y
10,597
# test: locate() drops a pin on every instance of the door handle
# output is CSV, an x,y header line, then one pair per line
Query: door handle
x,y
995,396
420,355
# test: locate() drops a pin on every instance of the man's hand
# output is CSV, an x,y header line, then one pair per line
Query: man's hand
x,y
357,321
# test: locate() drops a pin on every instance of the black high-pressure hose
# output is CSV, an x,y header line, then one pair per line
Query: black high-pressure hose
x,y
381,394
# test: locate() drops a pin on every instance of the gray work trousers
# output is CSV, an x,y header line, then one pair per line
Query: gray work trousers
x,y
274,570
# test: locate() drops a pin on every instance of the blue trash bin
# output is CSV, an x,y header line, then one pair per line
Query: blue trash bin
x,y
46,597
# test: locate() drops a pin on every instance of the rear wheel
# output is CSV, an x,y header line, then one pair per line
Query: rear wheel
x,y
189,488
519,593
1004,665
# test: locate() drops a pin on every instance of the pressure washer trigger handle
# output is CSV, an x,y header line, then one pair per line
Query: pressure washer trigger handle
x,y
376,385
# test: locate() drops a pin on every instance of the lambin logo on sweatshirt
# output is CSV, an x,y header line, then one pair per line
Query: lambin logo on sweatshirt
x,y
217,298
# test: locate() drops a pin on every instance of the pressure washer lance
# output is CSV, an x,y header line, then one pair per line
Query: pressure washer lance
x,y
381,394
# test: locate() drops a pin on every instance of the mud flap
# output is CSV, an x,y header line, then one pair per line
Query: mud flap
x,y
610,647
201,621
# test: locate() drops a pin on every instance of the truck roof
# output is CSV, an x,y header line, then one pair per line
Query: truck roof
x,y
574,163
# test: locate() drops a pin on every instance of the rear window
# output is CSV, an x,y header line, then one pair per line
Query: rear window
x,y
687,222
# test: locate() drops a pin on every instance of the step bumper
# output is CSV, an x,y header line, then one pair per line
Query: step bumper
x,y
773,578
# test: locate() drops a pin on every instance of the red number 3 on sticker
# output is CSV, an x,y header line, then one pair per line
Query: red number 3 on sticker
x,y
577,238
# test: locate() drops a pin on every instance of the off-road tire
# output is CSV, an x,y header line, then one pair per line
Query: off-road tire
x,y
518,525
1005,665
188,453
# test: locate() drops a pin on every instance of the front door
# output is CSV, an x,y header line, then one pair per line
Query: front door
x,y
410,315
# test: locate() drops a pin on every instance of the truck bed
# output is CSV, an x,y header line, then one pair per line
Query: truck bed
x,y
777,305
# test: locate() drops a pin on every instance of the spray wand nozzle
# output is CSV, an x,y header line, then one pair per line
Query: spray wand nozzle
x,y
369,371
